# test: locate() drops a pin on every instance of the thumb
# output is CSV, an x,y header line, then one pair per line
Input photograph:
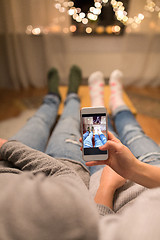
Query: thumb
x,y
109,145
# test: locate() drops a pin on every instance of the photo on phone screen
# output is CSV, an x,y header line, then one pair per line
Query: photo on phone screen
x,y
94,133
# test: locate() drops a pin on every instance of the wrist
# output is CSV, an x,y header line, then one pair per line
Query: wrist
x,y
109,187
139,172
2,141
105,196
133,169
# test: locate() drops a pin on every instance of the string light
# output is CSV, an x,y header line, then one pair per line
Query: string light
x,y
36,31
84,20
94,11
29,29
65,30
152,7
104,1
108,29
88,30
73,28
100,29
121,14
116,29
77,13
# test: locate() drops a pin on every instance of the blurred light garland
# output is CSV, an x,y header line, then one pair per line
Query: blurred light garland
x,y
153,6
77,14
95,11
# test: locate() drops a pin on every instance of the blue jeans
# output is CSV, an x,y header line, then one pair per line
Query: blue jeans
x,y
85,135
63,143
36,132
131,134
87,142
100,140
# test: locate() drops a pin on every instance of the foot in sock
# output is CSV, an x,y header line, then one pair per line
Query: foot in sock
x,y
96,85
75,78
116,89
53,82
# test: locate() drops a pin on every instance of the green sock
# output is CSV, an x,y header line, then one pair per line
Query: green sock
x,y
53,81
75,78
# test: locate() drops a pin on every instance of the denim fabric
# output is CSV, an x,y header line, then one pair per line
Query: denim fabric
x,y
85,135
132,135
103,138
64,140
98,141
87,143
110,127
36,132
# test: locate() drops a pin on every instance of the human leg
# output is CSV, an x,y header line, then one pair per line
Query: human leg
x,y
128,129
98,141
37,129
103,138
87,143
132,135
64,141
85,135
96,85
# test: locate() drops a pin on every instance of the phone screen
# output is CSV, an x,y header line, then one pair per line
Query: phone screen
x,y
94,133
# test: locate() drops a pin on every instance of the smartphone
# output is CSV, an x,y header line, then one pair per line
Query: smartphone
x,y
94,133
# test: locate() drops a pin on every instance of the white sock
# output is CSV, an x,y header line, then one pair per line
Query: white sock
x,y
99,130
96,86
96,131
116,97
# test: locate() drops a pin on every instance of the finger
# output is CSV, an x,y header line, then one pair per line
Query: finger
x,y
81,148
94,163
112,137
106,146
109,145
2,141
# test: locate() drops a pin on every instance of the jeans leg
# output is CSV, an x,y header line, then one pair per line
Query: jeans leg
x,y
37,129
103,138
132,135
87,143
110,127
85,135
98,141
64,141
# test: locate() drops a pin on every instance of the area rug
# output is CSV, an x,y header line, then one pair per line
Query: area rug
x,y
11,126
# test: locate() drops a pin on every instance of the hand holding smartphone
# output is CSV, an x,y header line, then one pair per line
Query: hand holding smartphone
x,y
94,133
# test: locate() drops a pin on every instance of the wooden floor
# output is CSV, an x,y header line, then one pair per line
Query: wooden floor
x,y
85,98
12,104
149,122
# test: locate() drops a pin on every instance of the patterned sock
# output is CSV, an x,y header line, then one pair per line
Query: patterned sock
x,y
116,97
75,78
96,85
53,82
